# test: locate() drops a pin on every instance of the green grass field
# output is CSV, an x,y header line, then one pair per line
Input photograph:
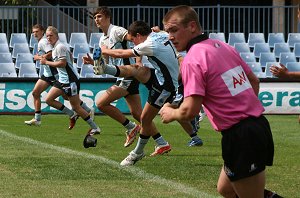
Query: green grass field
x,y
50,161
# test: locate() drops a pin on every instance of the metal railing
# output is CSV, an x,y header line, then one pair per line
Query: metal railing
x,y
264,19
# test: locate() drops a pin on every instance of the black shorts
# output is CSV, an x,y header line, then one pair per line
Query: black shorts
x,y
158,96
247,148
70,89
129,84
50,80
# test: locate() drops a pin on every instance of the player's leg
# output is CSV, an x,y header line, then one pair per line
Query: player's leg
x,y
192,132
224,186
40,86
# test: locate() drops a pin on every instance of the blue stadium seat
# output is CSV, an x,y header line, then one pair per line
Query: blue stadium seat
x,y
4,48
259,48
27,70
275,38
5,58
236,38
23,58
255,66
254,38
248,57
281,47
63,38
219,36
87,71
32,41
7,70
79,62
3,39
297,50
287,57
77,38
266,57
94,39
80,48
293,38
17,38
242,47
293,66
20,48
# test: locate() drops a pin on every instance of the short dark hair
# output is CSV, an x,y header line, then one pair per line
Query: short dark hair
x,y
38,26
103,10
140,27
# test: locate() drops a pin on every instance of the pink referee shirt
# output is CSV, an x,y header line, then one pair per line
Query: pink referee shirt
x,y
214,70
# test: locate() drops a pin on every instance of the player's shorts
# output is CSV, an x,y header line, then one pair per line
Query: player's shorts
x,y
247,148
129,84
50,80
70,89
158,96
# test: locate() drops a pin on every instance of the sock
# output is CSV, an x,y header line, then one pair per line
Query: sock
x,y
85,107
37,115
67,111
111,69
130,125
142,141
92,124
159,139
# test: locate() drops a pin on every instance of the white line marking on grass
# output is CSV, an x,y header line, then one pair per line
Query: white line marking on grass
x,y
133,170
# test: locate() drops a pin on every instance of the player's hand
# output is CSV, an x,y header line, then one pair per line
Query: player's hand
x,y
280,72
43,60
166,114
87,59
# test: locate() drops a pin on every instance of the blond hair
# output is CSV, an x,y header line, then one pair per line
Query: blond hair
x,y
53,30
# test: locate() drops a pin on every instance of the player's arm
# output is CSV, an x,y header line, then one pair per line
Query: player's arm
x,y
59,63
254,81
189,108
118,53
48,56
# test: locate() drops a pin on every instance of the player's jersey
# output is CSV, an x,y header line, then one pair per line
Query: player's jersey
x,y
115,40
43,48
69,73
215,71
162,55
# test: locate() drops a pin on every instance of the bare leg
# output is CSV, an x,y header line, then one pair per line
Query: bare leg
x,y
135,106
39,87
52,95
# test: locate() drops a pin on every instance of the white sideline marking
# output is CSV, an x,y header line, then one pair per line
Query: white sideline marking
x,y
132,169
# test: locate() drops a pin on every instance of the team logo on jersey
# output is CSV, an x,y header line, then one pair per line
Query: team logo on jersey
x,y
236,80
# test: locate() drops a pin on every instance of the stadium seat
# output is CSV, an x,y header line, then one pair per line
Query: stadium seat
x,y
260,74
20,48
287,57
7,70
3,39
4,48
5,58
35,49
80,48
281,47
293,66
236,38
23,58
255,66
32,41
242,47
254,38
94,39
17,38
293,38
275,38
248,57
27,70
63,38
297,50
259,48
266,57
80,60
219,35
87,71
77,38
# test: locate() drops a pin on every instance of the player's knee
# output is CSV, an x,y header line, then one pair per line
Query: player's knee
x,y
36,94
225,191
